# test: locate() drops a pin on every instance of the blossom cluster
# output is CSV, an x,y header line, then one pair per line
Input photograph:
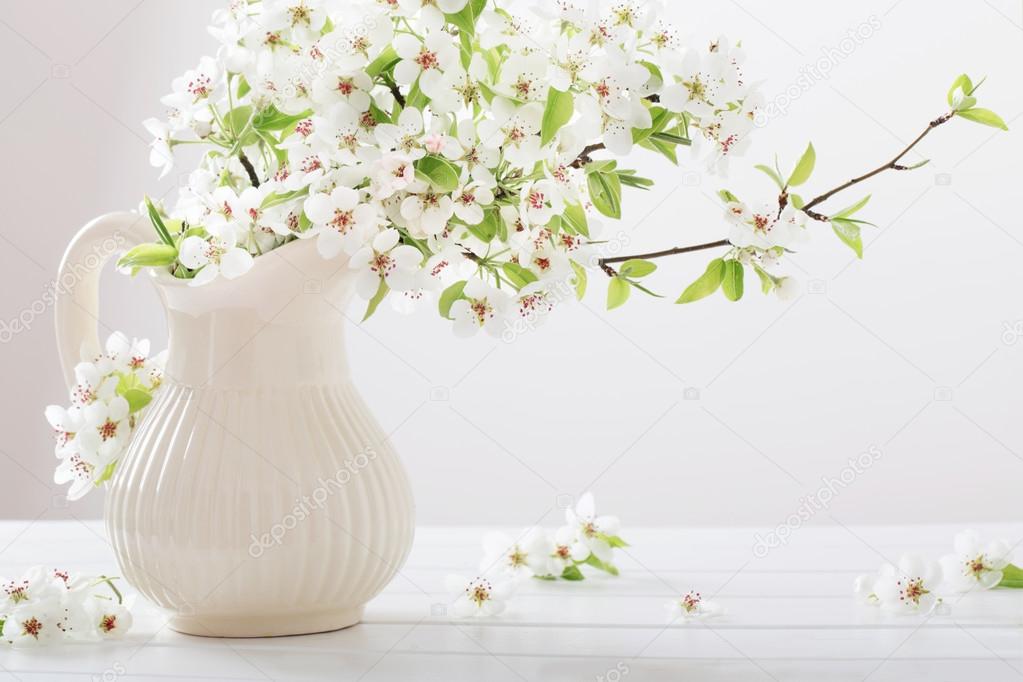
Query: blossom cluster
x,y
110,392
442,147
585,540
916,584
49,606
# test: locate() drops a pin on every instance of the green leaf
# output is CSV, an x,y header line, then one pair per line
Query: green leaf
x,y
439,172
854,209
137,399
630,179
158,224
384,62
983,116
466,19
447,299
727,196
238,118
964,82
849,232
618,290
733,281
613,540
637,285
518,275
592,560
379,296
606,193
149,256
490,226
1012,576
107,474
766,281
575,216
707,284
272,120
580,279
771,173
558,112
572,573
659,119
804,169
637,268
671,138
668,151
243,87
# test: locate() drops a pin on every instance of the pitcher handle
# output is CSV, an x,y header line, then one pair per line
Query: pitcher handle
x,y
76,296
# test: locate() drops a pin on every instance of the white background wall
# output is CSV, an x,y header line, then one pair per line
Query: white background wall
x,y
905,351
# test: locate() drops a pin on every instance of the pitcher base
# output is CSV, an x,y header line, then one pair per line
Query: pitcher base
x,y
266,625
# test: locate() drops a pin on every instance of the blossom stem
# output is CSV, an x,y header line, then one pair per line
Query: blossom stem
x,y
253,178
891,165
584,156
604,263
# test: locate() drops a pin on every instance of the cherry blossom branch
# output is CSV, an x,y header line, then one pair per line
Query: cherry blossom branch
x,y
605,263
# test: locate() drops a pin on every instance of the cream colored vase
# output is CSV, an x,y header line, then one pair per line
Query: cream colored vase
x,y
258,497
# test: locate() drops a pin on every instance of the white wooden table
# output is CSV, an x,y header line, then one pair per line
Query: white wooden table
x,y
790,616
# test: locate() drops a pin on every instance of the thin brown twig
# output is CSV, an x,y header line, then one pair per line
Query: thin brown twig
x,y
894,164
253,178
891,165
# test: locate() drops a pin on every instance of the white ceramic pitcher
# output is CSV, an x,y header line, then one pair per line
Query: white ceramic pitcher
x,y
258,497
